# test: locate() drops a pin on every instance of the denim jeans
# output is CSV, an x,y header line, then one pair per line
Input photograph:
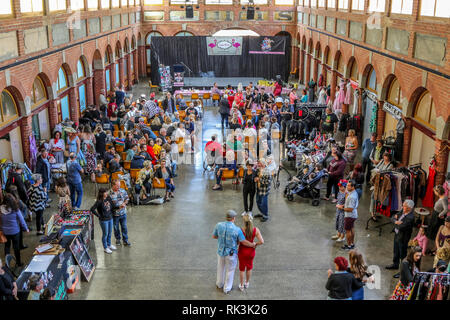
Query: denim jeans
x,y
47,186
107,227
169,187
261,202
122,221
174,167
78,189
224,119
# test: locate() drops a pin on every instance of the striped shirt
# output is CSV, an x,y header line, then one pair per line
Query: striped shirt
x,y
36,198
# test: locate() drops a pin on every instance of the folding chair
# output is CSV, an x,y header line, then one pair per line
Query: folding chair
x,y
103,179
116,127
115,175
127,164
153,87
206,96
123,156
134,173
194,96
156,185
228,174
215,97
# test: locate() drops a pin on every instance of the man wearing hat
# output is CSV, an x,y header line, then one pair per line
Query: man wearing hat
x,y
228,236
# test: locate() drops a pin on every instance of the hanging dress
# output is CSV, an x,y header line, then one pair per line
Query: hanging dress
x,y
348,94
428,200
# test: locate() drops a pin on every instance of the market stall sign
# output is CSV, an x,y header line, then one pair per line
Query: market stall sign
x,y
371,95
393,110
82,257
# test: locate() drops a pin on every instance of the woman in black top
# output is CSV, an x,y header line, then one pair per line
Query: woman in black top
x,y
249,188
102,208
341,283
409,266
8,287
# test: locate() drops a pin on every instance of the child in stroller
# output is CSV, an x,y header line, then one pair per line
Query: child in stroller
x,y
307,184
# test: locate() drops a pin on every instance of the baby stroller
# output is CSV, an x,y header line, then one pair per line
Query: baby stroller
x,y
306,186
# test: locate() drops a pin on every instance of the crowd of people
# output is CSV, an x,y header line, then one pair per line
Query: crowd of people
x,y
136,145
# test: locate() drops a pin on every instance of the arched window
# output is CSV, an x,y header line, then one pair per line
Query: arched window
x,y
340,65
8,108
38,93
395,94
118,52
425,111
107,57
81,70
184,34
61,83
354,71
372,80
328,60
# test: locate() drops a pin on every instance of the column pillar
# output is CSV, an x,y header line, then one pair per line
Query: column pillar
x,y
360,101
121,73
381,118
53,113
129,72
302,66
316,70
407,134
26,132
98,84
333,85
73,105
142,61
136,65
308,68
442,153
89,91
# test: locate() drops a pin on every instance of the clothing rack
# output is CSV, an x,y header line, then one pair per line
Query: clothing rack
x,y
399,169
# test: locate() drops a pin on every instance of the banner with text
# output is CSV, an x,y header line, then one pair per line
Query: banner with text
x,y
224,46
267,45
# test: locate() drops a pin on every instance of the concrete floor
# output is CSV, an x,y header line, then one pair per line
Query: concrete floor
x,y
173,255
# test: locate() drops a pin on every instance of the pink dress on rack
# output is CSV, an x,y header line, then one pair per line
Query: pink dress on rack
x,y
348,94
337,105
341,97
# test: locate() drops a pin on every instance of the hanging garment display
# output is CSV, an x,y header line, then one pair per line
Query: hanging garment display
x,y
348,93
355,102
428,200
373,120
33,152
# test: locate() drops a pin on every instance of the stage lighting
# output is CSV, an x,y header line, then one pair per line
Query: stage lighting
x,y
189,12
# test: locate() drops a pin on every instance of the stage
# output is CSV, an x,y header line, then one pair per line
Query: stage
x,y
207,82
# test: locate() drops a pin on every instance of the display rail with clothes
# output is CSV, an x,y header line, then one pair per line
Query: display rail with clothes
x,y
392,187
430,286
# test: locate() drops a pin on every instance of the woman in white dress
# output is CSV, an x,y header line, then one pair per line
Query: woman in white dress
x,y
57,147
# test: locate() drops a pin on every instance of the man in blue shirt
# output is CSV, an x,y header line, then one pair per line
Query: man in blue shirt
x,y
367,148
228,236
44,169
74,172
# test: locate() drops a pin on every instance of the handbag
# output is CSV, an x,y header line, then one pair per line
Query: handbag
x,y
2,237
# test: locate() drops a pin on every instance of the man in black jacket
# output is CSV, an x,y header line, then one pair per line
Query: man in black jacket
x,y
224,110
403,226
43,168
15,179
168,104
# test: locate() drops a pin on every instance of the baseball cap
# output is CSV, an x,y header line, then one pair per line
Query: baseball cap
x,y
231,214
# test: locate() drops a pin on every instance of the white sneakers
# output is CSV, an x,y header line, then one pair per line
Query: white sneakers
x,y
249,213
340,239
241,287
111,247
335,237
107,250
246,285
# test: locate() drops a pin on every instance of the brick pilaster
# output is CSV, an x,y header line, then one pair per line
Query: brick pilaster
x,y
381,118
302,66
442,153
136,65
333,85
89,91
129,72
26,132
53,113
308,68
407,135
98,84
73,105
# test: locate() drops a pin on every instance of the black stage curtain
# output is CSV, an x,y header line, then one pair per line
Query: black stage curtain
x,y
192,51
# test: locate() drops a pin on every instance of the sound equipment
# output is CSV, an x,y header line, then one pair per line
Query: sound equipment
x,y
189,12
250,13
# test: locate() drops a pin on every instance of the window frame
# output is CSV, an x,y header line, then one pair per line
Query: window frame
x,y
377,6
8,15
343,9
105,8
401,13
57,10
335,5
83,68
78,9
153,4
369,75
284,4
89,8
35,103
112,6
218,4
426,17
430,109
359,4
4,122
60,90
399,97
33,13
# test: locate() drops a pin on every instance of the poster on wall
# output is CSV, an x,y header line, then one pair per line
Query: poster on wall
x,y
224,46
267,45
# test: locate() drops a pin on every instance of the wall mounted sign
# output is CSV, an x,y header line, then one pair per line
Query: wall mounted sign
x,y
153,15
259,15
267,45
224,46
219,15
283,15
393,110
371,95
181,16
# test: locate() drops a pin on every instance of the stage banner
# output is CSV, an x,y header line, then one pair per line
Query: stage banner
x,y
224,46
267,45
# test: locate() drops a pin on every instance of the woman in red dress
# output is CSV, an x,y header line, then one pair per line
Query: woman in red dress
x,y
247,254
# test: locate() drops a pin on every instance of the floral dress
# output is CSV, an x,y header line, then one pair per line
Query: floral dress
x,y
89,154
340,213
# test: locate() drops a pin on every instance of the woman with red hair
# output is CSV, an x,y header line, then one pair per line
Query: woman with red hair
x,y
340,284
